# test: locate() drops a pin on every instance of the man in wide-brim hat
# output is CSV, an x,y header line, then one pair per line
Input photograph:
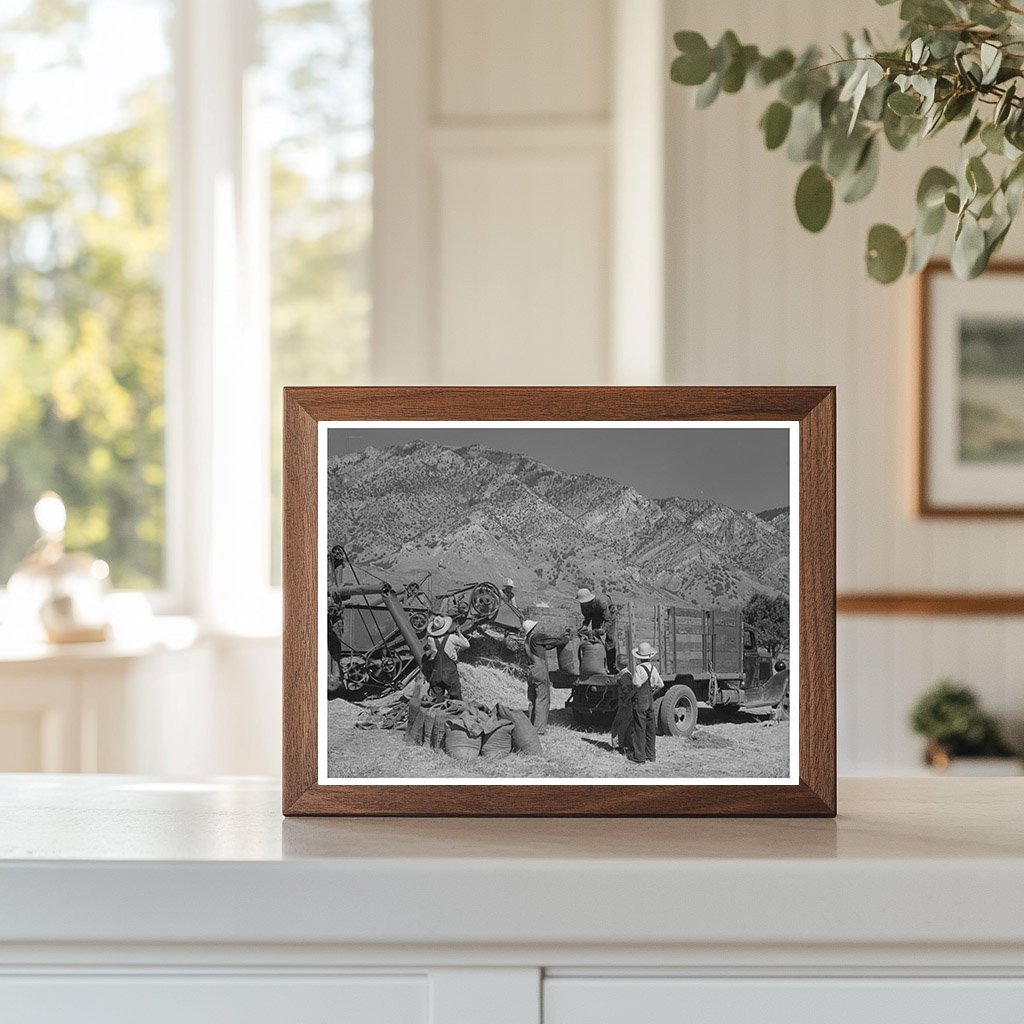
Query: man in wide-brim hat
x,y
646,680
538,688
599,616
441,658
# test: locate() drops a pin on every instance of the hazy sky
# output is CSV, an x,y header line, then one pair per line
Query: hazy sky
x,y
745,468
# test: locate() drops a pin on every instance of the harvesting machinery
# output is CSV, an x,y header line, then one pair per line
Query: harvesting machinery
x,y
375,631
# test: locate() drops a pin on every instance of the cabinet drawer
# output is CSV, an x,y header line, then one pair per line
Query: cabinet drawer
x,y
205,999
669,1000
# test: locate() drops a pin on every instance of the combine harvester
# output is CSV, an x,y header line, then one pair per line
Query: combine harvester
x,y
375,633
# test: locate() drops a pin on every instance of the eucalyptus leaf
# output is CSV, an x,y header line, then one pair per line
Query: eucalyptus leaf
x,y
973,130
724,51
886,253
922,247
805,133
993,138
814,195
978,176
987,15
775,124
865,173
794,88
968,248
771,69
1005,104
931,190
991,60
904,103
707,93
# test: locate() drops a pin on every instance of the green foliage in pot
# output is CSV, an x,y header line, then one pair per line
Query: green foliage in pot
x,y
958,62
949,716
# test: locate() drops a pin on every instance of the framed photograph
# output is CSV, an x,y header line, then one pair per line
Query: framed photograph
x,y
559,601
970,451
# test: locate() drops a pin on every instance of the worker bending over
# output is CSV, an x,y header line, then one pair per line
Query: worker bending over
x,y
598,615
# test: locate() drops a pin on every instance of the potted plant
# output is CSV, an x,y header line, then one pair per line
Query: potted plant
x,y
950,718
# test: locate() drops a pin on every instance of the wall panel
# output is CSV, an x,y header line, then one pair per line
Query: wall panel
x,y
520,287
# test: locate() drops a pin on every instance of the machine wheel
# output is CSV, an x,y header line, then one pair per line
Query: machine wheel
x,y
677,715
657,714
484,601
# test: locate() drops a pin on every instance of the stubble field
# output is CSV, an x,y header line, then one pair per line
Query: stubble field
x,y
741,748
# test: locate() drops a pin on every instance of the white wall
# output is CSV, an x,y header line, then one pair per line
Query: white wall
x,y
752,298
504,131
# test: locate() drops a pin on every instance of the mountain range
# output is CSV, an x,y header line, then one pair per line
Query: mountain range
x,y
470,514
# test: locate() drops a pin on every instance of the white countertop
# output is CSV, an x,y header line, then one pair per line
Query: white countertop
x,y
121,859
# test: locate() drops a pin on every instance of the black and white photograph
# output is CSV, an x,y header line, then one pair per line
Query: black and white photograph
x,y
543,602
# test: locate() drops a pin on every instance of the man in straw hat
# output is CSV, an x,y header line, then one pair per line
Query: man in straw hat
x,y
645,680
441,658
538,688
509,593
598,615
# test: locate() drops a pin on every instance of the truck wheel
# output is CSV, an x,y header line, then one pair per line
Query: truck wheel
x,y
677,714
657,715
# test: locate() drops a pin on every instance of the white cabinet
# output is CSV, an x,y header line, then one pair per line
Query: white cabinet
x,y
828,1000
129,898
202,999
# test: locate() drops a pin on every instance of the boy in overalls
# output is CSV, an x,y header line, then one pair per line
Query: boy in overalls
x,y
645,680
444,641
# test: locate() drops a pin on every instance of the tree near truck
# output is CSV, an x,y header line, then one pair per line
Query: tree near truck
x,y
770,618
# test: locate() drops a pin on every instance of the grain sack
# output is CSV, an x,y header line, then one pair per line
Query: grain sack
x,y
593,660
569,657
525,739
498,742
459,744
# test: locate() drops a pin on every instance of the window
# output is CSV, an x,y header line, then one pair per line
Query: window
x,y
83,236
317,117
237,212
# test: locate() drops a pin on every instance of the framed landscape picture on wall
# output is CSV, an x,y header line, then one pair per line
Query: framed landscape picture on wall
x,y
559,601
970,451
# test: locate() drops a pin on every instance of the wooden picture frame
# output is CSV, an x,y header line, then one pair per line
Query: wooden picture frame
x,y
929,374
810,410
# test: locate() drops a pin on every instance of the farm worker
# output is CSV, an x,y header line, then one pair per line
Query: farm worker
x,y
645,679
622,723
597,613
538,689
444,641
509,593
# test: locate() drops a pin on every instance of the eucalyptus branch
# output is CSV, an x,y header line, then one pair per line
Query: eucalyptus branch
x,y
955,61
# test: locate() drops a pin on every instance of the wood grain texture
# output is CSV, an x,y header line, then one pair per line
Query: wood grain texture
x,y
925,603
924,505
812,407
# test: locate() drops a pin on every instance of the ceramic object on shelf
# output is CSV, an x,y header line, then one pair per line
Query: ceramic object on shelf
x,y
58,594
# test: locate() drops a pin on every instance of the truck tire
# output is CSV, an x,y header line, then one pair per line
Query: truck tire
x,y
657,716
677,714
